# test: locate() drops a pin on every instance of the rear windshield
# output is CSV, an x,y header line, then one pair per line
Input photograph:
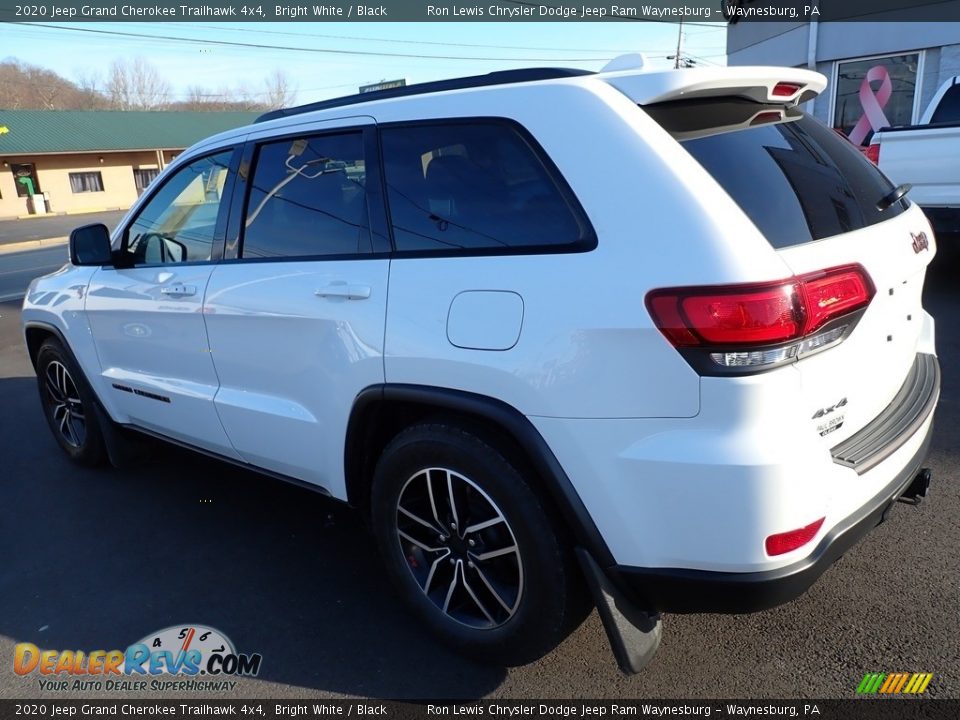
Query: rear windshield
x,y
795,178
948,110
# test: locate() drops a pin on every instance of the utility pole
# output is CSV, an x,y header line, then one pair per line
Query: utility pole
x,y
676,61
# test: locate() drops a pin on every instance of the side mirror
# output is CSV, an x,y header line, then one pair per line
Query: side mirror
x,y
90,245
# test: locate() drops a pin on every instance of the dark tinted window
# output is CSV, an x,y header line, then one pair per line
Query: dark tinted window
x,y
795,178
308,198
476,185
948,110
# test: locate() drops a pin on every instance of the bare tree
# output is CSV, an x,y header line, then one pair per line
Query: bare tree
x,y
90,86
136,85
25,86
279,92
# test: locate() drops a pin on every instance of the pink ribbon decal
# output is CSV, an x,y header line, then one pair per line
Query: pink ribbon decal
x,y
872,104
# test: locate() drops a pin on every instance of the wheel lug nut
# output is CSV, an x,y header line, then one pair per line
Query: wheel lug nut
x,y
453,526
470,563
471,542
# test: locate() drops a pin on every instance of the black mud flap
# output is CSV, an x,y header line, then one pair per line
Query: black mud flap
x,y
634,634
125,449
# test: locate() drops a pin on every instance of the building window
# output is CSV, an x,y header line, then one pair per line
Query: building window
x,y
874,94
143,177
83,182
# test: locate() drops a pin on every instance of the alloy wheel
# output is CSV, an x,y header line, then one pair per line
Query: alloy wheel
x,y
459,548
65,405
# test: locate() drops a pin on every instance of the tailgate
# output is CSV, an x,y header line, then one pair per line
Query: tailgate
x,y
849,385
821,205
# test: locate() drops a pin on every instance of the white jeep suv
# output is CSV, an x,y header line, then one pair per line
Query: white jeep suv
x,y
658,335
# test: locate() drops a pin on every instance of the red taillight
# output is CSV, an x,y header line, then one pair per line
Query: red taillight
x,y
872,153
785,89
767,116
754,316
833,294
792,539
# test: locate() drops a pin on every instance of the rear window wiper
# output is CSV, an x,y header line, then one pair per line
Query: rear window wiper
x,y
894,196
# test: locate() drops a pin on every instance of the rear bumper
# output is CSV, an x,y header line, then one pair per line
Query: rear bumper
x,y
698,591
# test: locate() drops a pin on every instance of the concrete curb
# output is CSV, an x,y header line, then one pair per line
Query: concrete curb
x,y
32,245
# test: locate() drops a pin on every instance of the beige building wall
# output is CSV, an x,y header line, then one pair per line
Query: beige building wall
x,y
53,176
10,204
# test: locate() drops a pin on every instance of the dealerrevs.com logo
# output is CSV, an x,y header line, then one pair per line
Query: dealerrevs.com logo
x,y
185,651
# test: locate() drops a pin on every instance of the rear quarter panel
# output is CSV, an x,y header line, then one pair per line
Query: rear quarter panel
x,y
587,347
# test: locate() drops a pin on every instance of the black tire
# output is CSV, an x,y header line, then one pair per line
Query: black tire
x,y
538,585
71,415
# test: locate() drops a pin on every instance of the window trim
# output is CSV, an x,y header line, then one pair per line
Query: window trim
x,y
587,243
216,249
377,227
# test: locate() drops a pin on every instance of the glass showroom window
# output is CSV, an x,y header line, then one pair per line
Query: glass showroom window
x,y
874,94
84,182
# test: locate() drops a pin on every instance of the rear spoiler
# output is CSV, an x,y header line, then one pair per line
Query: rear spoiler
x,y
768,85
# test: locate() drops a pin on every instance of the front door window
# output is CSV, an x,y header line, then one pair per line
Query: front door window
x,y
179,222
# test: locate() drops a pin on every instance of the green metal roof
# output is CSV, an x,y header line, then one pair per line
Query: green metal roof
x,y
50,131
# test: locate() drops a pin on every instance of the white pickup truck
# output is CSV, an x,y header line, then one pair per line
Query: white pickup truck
x,y
926,156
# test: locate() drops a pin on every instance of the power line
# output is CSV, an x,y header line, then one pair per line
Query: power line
x,y
411,42
182,95
262,46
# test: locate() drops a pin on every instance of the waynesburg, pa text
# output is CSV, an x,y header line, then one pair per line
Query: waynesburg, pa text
x,y
503,10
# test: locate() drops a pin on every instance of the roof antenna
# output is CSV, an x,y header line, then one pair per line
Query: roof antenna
x,y
630,61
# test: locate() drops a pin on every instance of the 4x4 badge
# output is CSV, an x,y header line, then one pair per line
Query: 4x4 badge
x,y
920,242
824,411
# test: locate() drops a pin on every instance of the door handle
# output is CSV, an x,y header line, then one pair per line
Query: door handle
x,y
178,290
343,290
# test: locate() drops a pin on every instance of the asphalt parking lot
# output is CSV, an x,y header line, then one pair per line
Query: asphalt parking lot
x,y
97,559
48,226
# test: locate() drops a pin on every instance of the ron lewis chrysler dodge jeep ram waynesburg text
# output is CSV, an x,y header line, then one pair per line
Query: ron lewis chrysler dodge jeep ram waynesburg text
x,y
650,337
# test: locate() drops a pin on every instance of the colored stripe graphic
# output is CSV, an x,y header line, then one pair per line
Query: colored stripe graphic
x,y
894,683
903,681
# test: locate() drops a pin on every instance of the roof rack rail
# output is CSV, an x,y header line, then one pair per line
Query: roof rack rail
x,y
502,77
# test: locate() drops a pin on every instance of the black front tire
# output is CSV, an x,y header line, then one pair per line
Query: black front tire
x,y
69,405
474,593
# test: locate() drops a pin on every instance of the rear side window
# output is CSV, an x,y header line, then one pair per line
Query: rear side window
x,y
476,186
795,178
308,198
948,109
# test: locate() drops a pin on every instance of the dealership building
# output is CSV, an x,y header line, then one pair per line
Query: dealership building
x,y
880,73
66,161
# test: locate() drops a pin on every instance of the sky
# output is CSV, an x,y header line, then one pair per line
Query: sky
x,y
453,49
